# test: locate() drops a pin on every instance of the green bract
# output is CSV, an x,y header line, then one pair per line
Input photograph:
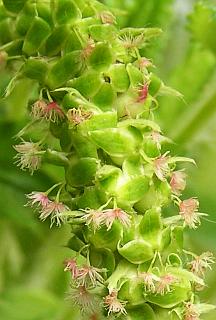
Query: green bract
x,y
94,118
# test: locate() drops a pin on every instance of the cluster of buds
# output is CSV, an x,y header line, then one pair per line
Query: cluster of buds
x,y
87,77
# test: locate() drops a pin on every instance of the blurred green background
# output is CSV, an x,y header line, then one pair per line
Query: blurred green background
x,y
32,281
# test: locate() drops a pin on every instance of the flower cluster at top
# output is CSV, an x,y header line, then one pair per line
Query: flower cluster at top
x,y
94,117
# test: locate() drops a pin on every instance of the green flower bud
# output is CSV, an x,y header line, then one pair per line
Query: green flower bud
x,y
75,243
104,238
66,11
178,294
104,32
83,146
119,77
155,84
107,177
151,227
44,11
81,172
25,17
138,313
72,43
105,97
113,141
56,40
35,68
132,189
101,57
65,68
56,158
136,251
133,166
14,6
135,75
6,32
102,258
132,292
88,83
36,36
14,47
99,121
92,197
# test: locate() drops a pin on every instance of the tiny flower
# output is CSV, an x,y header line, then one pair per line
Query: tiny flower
x,y
131,42
188,209
50,112
83,298
39,198
71,265
144,63
29,156
55,210
93,218
201,263
53,112
89,276
161,167
149,281
164,284
191,312
113,304
143,93
157,138
38,109
76,116
178,182
98,218
107,17
110,215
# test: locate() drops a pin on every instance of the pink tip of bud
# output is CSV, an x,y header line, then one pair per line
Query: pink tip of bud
x,y
178,182
107,17
71,265
39,198
143,93
161,167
